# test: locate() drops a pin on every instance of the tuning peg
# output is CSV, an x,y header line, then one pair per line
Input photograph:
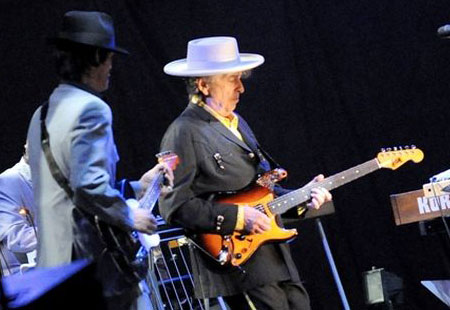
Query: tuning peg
x,y
395,148
413,146
400,148
388,149
383,149
406,147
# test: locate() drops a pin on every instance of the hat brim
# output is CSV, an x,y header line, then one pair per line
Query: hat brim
x,y
246,62
116,49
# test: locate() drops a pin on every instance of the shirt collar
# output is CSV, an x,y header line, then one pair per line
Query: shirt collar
x,y
230,123
84,87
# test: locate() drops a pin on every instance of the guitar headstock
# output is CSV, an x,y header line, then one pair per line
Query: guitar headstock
x,y
168,157
393,158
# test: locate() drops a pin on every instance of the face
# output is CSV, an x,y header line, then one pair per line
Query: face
x,y
222,91
99,76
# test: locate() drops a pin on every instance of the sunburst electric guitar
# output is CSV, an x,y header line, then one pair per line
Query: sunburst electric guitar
x,y
237,248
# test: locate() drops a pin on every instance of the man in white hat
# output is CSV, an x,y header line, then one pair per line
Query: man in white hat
x,y
73,160
219,153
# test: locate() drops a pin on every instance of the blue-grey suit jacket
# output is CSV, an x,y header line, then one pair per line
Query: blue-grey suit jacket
x,y
81,140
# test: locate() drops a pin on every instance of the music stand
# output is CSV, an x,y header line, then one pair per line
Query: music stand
x,y
441,289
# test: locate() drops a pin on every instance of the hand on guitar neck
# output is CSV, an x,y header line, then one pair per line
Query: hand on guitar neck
x,y
256,222
319,195
143,219
148,178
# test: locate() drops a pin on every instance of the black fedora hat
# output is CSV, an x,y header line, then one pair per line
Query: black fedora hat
x,y
89,28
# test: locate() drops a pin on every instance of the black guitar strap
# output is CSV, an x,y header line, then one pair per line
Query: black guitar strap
x,y
251,141
45,143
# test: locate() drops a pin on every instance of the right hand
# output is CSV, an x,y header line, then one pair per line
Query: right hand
x,y
144,221
255,222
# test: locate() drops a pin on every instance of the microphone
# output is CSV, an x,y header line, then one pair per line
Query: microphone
x,y
443,31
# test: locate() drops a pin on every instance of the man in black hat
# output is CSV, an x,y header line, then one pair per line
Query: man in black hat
x,y
74,174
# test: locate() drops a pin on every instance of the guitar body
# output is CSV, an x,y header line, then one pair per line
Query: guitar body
x,y
237,248
126,251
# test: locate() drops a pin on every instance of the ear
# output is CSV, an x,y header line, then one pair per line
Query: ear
x,y
203,86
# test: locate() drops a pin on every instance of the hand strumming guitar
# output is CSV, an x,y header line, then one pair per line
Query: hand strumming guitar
x,y
143,221
255,222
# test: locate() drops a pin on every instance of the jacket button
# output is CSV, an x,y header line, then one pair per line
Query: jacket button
x,y
251,155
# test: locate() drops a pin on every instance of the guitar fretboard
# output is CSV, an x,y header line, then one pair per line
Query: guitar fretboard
x,y
284,203
148,201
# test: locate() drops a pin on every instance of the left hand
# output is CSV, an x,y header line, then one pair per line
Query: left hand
x,y
148,177
319,195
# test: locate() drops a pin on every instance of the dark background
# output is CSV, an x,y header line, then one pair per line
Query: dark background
x,y
341,80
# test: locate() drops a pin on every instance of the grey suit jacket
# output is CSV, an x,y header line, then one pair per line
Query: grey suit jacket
x,y
213,159
81,140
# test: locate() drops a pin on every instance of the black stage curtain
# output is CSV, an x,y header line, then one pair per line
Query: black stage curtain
x,y
341,80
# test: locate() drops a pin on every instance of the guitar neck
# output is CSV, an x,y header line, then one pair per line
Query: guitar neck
x,y
284,203
148,201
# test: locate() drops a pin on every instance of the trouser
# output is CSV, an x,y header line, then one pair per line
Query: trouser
x,y
285,295
131,301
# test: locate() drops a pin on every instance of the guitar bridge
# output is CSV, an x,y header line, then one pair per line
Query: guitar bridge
x,y
222,258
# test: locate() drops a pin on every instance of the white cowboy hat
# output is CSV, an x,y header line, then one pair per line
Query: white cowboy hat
x,y
211,56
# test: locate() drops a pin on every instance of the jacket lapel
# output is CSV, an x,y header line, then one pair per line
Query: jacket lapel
x,y
247,136
228,134
219,127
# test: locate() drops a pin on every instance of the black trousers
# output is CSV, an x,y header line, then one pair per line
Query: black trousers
x,y
286,295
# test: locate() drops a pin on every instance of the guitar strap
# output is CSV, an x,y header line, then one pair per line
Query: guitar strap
x,y
123,185
249,138
45,143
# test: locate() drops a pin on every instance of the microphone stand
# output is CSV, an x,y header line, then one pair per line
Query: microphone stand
x,y
330,258
438,203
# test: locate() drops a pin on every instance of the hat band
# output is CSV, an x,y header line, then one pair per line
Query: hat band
x,y
208,65
89,38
